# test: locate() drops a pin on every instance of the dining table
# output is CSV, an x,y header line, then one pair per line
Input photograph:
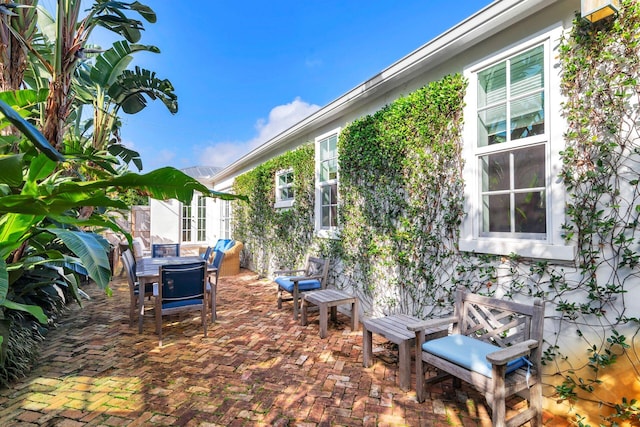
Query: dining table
x,y
148,272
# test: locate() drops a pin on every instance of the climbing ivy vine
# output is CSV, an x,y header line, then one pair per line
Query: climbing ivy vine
x,y
401,205
276,237
401,199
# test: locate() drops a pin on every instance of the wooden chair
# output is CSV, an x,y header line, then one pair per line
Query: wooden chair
x,y
129,264
160,250
495,346
182,288
293,282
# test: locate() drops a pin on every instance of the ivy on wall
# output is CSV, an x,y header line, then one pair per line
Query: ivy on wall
x,y
276,238
401,205
401,199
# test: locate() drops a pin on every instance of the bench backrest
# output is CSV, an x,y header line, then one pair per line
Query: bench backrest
x,y
497,321
318,267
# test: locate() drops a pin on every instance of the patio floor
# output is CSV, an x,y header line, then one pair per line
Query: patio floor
x,y
257,367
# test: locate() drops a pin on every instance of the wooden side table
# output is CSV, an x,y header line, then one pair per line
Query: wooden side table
x,y
394,328
327,299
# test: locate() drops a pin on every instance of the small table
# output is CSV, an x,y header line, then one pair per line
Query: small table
x,y
394,328
327,299
148,271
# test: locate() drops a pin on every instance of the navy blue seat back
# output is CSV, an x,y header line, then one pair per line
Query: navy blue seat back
x,y
183,284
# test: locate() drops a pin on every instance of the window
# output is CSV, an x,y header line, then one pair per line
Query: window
x,y
327,184
225,219
202,219
186,223
512,142
285,194
194,220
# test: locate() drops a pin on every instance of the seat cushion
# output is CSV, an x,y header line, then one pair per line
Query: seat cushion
x,y
182,303
303,285
468,352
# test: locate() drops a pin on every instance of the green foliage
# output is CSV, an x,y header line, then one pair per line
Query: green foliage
x,y
280,237
401,197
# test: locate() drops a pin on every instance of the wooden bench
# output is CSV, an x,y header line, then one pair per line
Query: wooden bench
x,y
329,299
495,346
394,328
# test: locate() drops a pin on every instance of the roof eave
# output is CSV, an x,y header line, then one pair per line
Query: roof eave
x,y
473,30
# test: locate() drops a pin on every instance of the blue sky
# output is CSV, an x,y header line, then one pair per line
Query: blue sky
x,y
246,70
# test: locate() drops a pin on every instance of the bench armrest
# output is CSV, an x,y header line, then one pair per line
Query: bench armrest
x,y
431,323
507,354
297,279
287,272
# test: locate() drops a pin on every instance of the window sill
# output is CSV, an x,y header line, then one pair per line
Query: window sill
x,y
526,249
283,204
328,234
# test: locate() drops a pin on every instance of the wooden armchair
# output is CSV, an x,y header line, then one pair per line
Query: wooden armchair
x,y
294,282
495,346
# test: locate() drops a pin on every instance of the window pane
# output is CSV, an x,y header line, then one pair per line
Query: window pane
x,y
495,172
496,213
529,167
527,72
527,116
530,212
492,85
492,125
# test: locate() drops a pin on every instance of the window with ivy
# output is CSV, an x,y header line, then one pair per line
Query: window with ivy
x,y
327,183
285,195
511,146
512,153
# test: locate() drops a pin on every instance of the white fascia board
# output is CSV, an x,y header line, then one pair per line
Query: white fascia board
x,y
494,18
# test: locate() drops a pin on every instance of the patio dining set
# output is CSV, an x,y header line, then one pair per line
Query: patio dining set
x,y
490,343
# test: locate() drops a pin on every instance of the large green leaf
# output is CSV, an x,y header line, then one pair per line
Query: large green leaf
x,y
24,99
127,155
11,167
13,228
132,87
34,310
92,249
164,183
30,131
4,280
56,203
112,62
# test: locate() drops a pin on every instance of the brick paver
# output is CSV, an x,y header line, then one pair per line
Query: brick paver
x,y
256,367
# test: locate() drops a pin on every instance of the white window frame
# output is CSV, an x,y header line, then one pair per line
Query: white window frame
x,y
226,219
194,219
325,232
553,246
280,202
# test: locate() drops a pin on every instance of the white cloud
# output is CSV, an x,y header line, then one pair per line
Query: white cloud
x,y
280,119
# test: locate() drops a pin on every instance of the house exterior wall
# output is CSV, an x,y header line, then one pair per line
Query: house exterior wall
x,y
542,18
165,221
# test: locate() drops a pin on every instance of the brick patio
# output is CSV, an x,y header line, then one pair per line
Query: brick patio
x,y
257,367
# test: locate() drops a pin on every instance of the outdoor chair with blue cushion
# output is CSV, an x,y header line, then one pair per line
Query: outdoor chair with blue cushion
x,y
161,250
182,288
291,283
495,345
129,264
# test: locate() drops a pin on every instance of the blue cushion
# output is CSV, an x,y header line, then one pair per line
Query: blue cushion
x,y
468,352
182,303
224,245
303,285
